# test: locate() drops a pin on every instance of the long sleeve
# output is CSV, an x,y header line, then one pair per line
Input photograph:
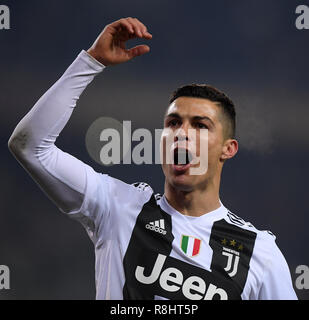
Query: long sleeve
x,y
59,174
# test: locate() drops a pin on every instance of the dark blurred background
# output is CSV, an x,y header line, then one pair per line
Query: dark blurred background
x,y
249,49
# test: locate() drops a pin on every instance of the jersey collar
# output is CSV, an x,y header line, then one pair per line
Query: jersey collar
x,y
212,215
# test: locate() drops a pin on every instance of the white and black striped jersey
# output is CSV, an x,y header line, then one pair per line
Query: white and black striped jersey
x,y
145,249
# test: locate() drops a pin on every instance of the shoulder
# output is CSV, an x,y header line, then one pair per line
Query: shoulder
x,y
262,243
239,222
116,190
141,187
266,255
131,191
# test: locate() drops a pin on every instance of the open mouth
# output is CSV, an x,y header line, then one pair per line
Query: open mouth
x,y
182,159
182,156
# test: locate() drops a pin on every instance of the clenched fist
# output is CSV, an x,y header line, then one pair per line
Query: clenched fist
x,y
110,47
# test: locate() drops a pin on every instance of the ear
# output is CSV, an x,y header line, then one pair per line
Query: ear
x,y
229,149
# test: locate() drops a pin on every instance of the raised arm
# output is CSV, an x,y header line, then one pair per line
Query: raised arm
x,y
59,174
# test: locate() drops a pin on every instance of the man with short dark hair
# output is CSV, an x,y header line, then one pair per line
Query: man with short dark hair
x,y
213,94
182,245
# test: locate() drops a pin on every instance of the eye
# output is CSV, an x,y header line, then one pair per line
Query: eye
x,y
173,123
201,125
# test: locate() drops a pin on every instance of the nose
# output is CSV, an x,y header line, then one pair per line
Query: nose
x,y
182,133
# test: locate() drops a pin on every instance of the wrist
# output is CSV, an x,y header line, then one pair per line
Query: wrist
x,y
95,56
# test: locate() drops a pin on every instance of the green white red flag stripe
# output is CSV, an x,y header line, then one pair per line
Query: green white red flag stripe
x,y
190,245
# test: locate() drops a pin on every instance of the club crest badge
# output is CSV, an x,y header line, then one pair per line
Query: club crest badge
x,y
231,250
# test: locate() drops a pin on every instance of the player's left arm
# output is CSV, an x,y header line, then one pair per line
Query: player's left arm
x,y
277,283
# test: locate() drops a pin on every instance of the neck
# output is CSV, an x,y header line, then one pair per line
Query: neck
x,y
196,202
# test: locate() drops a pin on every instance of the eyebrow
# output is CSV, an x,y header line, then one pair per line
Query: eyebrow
x,y
196,118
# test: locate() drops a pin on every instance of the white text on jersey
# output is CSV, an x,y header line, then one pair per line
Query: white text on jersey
x,y
171,279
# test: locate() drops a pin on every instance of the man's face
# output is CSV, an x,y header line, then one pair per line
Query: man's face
x,y
184,122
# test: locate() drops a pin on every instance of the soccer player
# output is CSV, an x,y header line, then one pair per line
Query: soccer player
x,y
184,244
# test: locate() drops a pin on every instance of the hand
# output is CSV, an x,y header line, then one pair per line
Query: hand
x,y
110,47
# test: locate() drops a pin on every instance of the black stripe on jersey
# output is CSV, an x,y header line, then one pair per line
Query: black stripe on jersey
x,y
143,248
150,271
232,250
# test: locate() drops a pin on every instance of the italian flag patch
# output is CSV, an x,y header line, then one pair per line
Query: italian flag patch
x,y
190,245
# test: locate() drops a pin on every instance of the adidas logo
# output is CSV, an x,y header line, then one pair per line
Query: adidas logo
x,y
157,226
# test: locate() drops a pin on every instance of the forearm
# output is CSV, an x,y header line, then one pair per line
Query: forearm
x,y
62,176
